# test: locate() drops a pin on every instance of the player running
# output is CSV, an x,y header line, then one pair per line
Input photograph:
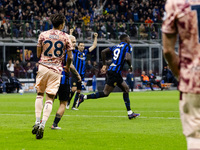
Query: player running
x,y
183,19
121,54
64,89
79,56
50,49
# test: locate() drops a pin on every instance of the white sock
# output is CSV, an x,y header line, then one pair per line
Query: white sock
x,y
38,108
129,112
85,97
46,111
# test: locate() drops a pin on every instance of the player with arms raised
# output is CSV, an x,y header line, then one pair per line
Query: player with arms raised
x,y
121,54
183,18
50,49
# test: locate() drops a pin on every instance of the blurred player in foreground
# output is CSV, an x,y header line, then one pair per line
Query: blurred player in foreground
x,y
183,21
64,89
50,49
121,53
79,56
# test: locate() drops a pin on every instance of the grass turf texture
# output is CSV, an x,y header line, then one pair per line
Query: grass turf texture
x,y
99,124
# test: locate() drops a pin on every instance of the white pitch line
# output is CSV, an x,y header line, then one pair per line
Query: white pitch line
x,y
102,111
95,116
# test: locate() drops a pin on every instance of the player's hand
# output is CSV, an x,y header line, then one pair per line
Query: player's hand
x,y
103,69
131,68
95,34
79,78
66,69
71,31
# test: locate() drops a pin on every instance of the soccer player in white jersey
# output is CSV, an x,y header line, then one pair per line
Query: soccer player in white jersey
x,y
183,18
50,49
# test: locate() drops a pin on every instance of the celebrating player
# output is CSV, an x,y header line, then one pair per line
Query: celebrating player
x,y
183,19
120,53
50,49
64,89
79,56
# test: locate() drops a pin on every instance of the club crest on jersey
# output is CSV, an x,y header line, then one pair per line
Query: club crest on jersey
x,y
115,83
74,83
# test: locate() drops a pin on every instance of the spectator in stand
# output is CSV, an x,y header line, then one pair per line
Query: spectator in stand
x,y
152,79
19,70
142,31
10,66
88,65
2,85
15,82
35,69
145,80
148,22
29,70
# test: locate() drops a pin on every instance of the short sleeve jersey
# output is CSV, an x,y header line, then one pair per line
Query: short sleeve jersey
x,y
118,56
53,44
79,60
183,17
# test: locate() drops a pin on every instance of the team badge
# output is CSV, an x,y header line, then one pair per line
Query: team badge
x,y
115,83
74,83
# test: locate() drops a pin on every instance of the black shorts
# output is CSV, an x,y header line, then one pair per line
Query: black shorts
x,y
113,79
75,83
63,92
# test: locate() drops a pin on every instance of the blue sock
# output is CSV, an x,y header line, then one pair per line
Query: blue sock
x,y
96,95
75,99
127,101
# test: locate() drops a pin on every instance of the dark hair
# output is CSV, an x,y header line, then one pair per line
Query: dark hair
x,y
123,37
80,43
57,19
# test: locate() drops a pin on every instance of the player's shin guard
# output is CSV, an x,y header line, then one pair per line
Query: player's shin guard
x,y
193,143
96,95
75,99
46,111
38,108
127,101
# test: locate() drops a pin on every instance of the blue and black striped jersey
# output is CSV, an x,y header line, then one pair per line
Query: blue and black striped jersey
x,y
118,56
79,60
65,75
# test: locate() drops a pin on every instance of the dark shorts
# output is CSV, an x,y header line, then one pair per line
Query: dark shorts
x,y
75,83
63,92
113,79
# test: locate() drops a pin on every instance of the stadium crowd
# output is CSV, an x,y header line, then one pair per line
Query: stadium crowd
x,y
108,18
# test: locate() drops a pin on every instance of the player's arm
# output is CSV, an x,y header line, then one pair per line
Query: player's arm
x,y
169,41
74,71
71,31
103,57
68,61
94,45
39,51
39,45
128,60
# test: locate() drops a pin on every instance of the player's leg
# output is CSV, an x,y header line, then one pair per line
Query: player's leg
x,y
59,114
73,90
79,87
124,87
190,117
52,86
63,92
107,90
40,86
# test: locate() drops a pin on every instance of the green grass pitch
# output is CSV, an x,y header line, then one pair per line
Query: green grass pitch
x,y
98,125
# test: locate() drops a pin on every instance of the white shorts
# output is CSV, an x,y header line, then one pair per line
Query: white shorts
x,y
47,80
190,114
